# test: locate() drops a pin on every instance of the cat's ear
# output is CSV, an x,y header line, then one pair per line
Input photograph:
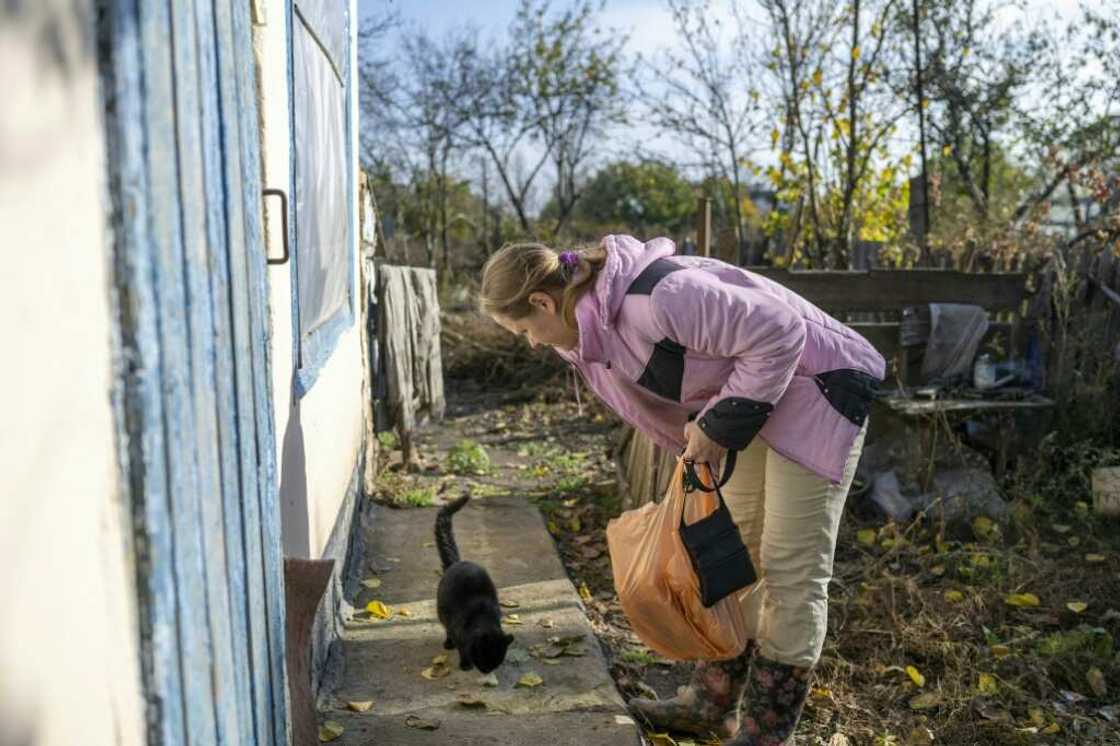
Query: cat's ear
x,y
509,639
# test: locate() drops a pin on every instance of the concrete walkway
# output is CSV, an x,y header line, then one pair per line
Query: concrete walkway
x,y
385,660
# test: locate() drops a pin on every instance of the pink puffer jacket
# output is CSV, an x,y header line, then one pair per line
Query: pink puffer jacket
x,y
665,338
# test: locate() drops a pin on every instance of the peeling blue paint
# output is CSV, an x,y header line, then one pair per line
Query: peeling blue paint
x,y
194,404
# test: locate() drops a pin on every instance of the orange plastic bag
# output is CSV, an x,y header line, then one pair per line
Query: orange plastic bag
x,y
657,586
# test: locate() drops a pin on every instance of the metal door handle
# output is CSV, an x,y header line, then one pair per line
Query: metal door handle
x,y
283,222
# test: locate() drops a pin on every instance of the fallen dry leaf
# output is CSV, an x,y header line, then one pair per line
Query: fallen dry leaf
x,y
509,604
1077,606
379,610
513,619
916,676
1095,558
1097,682
438,670
937,570
1022,599
925,701
329,731
413,721
372,583
360,706
866,536
987,684
404,612
490,679
584,593
530,680
471,701
954,597
547,623
1001,651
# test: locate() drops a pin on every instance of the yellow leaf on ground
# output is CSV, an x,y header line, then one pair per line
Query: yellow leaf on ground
x,y
329,731
867,537
1097,682
1001,651
987,684
661,739
1095,558
584,593
379,610
513,619
372,583
404,612
1077,606
925,701
1052,729
438,670
360,706
915,676
954,597
937,570
1022,599
508,604
530,680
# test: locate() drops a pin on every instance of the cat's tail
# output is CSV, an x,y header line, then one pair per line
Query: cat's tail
x,y
445,538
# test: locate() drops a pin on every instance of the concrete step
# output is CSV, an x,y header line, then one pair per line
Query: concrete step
x,y
577,703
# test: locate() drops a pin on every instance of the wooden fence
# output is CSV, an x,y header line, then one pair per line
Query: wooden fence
x,y
1053,305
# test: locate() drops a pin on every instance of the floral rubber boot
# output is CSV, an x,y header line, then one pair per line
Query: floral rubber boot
x,y
706,705
770,704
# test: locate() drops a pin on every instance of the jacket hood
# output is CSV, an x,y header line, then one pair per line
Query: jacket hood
x,y
597,310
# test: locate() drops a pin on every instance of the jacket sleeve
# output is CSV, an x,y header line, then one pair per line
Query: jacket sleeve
x,y
762,335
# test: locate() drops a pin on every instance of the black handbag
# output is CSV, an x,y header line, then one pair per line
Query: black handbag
x,y
719,558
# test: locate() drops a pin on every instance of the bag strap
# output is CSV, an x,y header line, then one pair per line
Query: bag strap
x,y
692,480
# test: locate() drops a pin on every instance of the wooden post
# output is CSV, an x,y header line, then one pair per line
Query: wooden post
x,y
704,226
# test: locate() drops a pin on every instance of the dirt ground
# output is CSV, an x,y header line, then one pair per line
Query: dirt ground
x,y
1004,639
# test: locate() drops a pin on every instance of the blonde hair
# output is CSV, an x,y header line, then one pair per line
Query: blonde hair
x,y
518,270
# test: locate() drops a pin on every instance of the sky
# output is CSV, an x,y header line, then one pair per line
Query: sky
x,y
647,22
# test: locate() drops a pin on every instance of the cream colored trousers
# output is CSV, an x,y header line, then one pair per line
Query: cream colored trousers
x,y
789,517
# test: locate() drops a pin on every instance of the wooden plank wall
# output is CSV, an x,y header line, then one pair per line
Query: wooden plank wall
x,y
197,441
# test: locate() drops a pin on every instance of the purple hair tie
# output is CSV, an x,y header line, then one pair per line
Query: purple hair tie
x,y
569,259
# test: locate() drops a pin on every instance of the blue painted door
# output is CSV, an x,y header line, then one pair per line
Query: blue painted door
x,y
195,420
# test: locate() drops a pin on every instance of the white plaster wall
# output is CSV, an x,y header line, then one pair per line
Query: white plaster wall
x,y
318,437
69,664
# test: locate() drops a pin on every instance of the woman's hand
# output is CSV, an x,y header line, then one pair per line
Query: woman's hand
x,y
701,448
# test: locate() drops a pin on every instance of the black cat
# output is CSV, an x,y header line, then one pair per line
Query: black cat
x,y
467,602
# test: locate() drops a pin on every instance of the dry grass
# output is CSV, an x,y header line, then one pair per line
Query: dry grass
x,y
888,607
